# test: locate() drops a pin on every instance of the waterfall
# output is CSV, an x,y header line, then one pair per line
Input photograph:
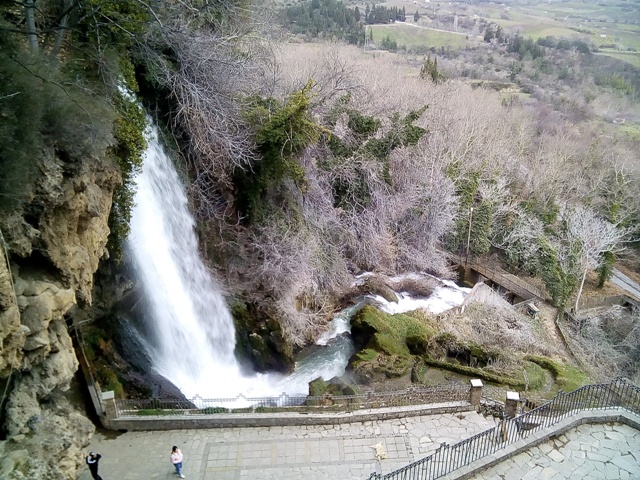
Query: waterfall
x,y
190,332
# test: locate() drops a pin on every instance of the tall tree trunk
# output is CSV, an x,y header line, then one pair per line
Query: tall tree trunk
x,y
584,276
61,30
30,12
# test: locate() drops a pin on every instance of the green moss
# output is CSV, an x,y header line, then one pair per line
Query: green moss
x,y
388,344
391,330
366,355
477,373
317,387
567,376
387,353
535,375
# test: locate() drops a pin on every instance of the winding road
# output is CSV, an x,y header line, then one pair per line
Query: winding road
x,y
627,284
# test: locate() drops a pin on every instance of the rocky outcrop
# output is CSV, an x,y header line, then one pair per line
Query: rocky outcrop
x,y
12,333
54,246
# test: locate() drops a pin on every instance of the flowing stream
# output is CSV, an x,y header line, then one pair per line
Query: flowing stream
x,y
188,331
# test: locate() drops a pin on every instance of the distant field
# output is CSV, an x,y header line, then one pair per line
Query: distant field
x,y
419,37
552,32
633,59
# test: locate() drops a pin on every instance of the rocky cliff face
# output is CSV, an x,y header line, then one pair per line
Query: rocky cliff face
x,y
53,246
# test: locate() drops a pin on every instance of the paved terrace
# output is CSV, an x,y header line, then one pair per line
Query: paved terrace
x,y
587,452
311,452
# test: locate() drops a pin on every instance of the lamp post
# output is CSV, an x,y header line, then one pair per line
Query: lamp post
x,y
469,234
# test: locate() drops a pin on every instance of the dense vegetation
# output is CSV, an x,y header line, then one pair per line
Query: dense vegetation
x,y
333,20
63,72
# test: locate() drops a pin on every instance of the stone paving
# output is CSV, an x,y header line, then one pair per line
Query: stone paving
x,y
590,451
340,452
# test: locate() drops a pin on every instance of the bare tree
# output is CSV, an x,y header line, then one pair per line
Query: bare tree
x,y
212,66
594,237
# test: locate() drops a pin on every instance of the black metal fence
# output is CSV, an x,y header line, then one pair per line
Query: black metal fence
x,y
619,394
290,403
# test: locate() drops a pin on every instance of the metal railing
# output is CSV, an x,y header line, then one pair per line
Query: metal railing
x,y
501,277
291,403
619,394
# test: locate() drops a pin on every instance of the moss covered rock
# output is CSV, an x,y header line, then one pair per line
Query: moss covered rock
x,y
317,387
384,337
259,338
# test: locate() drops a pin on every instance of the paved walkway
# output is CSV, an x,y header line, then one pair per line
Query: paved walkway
x,y
322,452
586,452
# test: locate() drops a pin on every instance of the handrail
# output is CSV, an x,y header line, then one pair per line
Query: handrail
x,y
619,394
292,403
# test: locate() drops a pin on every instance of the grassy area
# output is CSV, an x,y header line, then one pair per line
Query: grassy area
x,y
414,37
632,58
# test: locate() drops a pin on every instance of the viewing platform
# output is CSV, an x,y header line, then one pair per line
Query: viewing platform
x,y
593,429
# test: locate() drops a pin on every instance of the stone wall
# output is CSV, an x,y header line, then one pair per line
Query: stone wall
x,y
145,423
53,244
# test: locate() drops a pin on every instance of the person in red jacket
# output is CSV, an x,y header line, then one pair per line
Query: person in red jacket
x,y
92,460
176,459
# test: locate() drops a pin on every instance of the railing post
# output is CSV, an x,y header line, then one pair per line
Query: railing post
x,y
108,401
475,392
511,404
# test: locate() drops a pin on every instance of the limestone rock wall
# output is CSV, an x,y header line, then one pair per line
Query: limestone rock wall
x,y
53,247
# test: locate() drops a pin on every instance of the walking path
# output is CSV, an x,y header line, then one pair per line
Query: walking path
x,y
586,452
284,453
347,451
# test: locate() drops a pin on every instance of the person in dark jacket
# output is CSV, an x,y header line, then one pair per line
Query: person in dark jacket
x,y
92,460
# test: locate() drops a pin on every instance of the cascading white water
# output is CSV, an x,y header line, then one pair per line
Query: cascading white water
x,y
192,335
189,334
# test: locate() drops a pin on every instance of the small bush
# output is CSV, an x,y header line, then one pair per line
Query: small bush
x,y
213,410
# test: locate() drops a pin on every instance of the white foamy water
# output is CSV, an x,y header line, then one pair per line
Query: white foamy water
x,y
443,298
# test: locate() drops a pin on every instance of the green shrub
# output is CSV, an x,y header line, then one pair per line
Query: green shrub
x,y
129,132
282,132
153,412
213,410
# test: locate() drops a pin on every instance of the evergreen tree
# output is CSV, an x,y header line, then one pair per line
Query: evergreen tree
x,y
429,71
559,270
367,12
605,269
416,16
357,14
489,33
